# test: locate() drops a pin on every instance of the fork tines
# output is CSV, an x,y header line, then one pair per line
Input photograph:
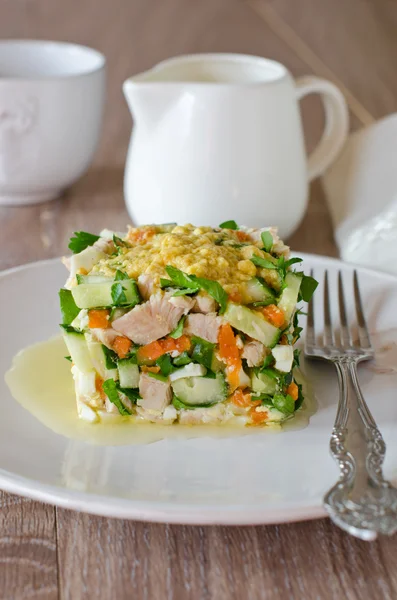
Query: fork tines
x,y
329,338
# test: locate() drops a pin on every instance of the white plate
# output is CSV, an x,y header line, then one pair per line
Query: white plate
x,y
262,478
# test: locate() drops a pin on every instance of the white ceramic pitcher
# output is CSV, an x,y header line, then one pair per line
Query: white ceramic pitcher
x,y
219,136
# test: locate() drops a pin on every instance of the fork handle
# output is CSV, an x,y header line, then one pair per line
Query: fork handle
x,y
362,502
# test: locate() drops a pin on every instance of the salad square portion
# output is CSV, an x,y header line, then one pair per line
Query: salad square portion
x,y
180,324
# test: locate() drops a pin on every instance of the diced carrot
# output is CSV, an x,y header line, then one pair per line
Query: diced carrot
x,y
141,236
98,318
98,386
235,297
168,345
151,351
121,345
233,372
242,236
243,400
258,417
228,348
293,391
182,344
146,369
274,314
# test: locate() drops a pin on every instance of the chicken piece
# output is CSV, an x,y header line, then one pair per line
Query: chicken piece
x,y
150,321
105,336
204,326
145,286
156,395
204,304
254,353
169,415
183,302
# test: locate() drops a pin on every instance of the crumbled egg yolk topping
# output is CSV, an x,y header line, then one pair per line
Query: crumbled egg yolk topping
x,y
222,255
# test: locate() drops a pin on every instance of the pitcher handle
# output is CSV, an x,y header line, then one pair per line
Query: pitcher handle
x,y
336,122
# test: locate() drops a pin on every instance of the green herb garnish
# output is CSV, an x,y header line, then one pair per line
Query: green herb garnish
x,y
263,263
267,241
81,241
120,276
131,393
229,225
292,261
111,358
284,404
111,390
69,358
308,287
118,294
165,364
69,310
178,331
180,279
182,360
203,352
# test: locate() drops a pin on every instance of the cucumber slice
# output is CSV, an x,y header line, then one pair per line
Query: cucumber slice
x,y
93,295
191,370
201,391
289,296
258,291
128,373
97,355
78,350
93,279
263,384
252,323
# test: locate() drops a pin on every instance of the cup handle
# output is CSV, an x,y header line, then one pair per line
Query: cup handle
x,y
336,122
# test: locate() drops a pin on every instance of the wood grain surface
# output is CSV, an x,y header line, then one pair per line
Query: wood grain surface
x,y
48,553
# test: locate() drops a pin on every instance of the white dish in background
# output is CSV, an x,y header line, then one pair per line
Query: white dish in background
x,y
51,106
260,478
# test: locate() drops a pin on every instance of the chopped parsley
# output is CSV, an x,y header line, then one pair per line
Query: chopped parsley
x,y
81,241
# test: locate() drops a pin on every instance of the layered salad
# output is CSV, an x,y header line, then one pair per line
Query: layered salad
x,y
177,324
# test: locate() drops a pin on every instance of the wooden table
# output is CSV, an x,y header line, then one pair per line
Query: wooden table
x,y
48,553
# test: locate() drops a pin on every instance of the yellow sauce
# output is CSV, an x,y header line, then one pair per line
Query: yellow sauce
x,y
40,381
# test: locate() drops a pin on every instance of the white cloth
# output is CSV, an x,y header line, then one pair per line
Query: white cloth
x,y
361,189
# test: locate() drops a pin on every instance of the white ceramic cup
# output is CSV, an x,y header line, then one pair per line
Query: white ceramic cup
x,y
219,136
51,108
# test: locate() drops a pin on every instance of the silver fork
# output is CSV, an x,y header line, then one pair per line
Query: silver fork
x,y
362,502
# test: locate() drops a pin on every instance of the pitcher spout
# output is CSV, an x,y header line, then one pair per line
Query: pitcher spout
x,y
148,102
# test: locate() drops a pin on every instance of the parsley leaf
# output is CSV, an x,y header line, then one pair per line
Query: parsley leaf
x,y
110,358
119,242
120,275
264,263
165,364
118,294
229,225
81,241
284,404
308,287
203,351
164,283
177,332
296,358
293,261
267,240
180,279
184,292
69,310
131,393
110,389
182,360
69,358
